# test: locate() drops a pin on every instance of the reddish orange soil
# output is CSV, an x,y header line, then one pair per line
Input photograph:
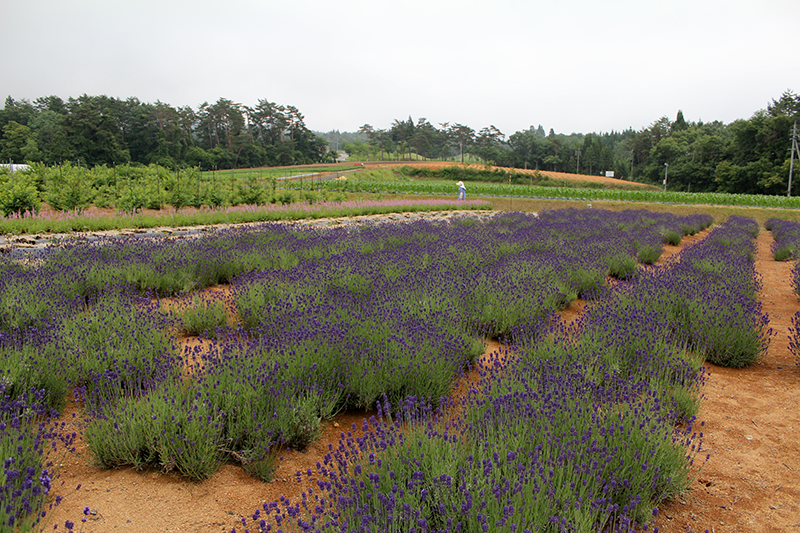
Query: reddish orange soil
x,y
750,483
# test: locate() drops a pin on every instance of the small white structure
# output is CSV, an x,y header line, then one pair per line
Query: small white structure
x,y
14,167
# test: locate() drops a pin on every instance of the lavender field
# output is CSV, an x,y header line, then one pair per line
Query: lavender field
x,y
579,429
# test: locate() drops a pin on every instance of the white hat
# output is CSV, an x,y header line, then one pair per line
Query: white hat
x,y
460,183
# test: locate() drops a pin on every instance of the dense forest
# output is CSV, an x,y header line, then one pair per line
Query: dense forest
x,y
96,130
746,156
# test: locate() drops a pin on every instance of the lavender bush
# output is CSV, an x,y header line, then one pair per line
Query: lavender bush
x,y
539,447
794,337
385,315
592,425
471,473
27,436
202,316
786,235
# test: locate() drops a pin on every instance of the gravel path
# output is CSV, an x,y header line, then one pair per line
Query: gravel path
x,y
36,246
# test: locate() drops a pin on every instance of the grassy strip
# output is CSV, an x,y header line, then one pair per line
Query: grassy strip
x,y
567,193
458,173
720,213
277,172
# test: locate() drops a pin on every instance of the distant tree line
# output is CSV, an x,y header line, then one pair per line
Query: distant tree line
x,y
96,130
746,156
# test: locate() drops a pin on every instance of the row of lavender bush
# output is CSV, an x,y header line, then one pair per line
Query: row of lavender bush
x,y
786,245
581,429
786,238
426,485
28,438
356,315
708,301
332,319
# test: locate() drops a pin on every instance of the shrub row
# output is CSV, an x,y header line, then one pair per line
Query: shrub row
x,y
332,318
582,429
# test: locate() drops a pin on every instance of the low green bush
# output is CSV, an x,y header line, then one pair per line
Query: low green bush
x,y
20,373
18,193
621,266
648,255
672,237
148,430
783,253
203,316
587,282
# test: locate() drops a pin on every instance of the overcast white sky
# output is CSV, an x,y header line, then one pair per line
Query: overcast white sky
x,y
571,65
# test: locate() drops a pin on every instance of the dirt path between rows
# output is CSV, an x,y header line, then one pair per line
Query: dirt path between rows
x,y
750,483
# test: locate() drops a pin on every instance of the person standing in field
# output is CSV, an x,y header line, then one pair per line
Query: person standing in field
x,y
462,191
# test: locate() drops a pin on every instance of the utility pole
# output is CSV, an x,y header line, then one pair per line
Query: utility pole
x,y
791,160
666,170
578,166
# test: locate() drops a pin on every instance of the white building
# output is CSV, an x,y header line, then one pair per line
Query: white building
x,y
13,167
